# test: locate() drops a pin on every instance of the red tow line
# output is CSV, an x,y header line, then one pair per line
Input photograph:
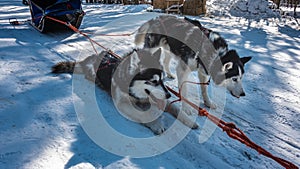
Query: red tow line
x,y
230,128
232,131
85,35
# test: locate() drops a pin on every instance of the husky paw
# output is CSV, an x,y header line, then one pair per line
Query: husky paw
x,y
195,126
185,119
192,125
157,130
210,104
90,77
156,126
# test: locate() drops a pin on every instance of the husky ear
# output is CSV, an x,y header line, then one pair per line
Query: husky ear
x,y
134,58
134,61
244,60
157,54
227,66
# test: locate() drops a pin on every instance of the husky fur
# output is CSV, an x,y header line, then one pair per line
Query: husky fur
x,y
140,99
197,48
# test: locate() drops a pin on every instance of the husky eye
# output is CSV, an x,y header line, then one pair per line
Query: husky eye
x,y
154,81
147,91
234,79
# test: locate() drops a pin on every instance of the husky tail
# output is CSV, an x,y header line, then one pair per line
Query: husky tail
x,y
141,33
64,67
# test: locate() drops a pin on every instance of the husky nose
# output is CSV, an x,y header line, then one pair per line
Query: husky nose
x,y
243,94
168,95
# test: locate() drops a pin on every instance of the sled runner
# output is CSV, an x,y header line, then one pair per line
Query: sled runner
x,y
69,11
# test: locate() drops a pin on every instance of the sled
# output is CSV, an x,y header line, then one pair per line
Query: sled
x,y
69,11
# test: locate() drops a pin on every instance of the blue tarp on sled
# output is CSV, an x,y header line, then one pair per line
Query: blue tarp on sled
x,y
65,10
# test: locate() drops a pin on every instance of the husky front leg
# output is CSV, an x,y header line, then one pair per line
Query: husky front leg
x,y
203,79
182,77
166,63
157,126
174,111
150,119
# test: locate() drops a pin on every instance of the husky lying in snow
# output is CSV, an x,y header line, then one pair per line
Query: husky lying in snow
x,y
135,82
196,48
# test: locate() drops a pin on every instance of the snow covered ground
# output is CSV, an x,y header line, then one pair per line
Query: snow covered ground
x,y
39,126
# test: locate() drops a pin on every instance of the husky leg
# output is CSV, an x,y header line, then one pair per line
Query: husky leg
x,y
124,106
167,61
156,126
203,79
174,111
182,76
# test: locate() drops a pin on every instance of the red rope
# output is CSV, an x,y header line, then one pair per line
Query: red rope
x,y
85,35
232,131
124,34
230,128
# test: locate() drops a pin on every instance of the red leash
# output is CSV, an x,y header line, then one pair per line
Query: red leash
x,y
232,131
85,35
230,128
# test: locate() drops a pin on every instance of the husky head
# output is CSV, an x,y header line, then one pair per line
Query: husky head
x,y
147,85
230,73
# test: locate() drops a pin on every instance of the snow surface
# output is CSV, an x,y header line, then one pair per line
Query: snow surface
x,y
38,123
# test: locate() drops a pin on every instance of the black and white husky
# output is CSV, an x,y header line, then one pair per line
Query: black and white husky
x,y
196,48
135,83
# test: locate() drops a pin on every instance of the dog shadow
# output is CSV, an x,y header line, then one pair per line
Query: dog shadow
x,y
86,151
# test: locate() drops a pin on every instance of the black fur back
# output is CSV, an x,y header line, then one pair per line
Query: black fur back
x,y
219,43
173,31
